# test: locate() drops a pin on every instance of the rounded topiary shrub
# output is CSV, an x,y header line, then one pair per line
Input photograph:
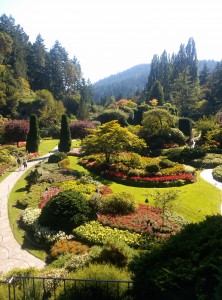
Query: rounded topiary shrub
x,y
166,163
119,203
153,168
56,157
65,211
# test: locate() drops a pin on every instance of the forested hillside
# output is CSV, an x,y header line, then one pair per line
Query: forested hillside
x,y
122,85
131,82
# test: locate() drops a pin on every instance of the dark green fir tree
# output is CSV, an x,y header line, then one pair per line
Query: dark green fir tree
x,y
65,135
33,137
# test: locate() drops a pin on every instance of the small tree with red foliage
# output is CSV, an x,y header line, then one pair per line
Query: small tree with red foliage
x,y
80,129
16,131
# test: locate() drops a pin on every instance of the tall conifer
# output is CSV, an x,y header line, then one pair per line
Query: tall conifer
x,y
33,138
65,135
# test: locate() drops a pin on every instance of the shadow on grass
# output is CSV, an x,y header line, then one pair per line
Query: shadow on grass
x,y
23,189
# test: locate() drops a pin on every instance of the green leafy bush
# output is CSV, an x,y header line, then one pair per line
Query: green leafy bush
x,y
153,168
66,211
217,173
184,267
197,152
116,253
166,163
98,290
32,178
120,203
56,157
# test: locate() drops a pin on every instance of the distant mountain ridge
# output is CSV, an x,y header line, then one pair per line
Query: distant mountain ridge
x,y
124,84
127,83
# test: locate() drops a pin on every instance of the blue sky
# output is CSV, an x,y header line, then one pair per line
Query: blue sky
x,y
109,36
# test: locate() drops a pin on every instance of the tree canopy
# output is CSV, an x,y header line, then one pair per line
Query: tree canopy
x,y
110,138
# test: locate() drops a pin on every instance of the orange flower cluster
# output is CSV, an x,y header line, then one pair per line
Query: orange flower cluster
x,y
65,247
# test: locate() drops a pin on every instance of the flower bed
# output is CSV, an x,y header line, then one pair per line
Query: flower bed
x,y
146,219
151,181
140,175
95,233
46,196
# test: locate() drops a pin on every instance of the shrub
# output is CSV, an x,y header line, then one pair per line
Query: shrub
x,y
98,290
194,153
166,163
117,253
65,163
185,125
153,168
185,267
66,211
217,173
133,172
56,157
32,178
120,203
80,129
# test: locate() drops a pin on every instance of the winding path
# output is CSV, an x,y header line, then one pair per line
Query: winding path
x,y
11,253
207,176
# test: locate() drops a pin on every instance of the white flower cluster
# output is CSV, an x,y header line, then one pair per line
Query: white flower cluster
x,y
30,215
30,219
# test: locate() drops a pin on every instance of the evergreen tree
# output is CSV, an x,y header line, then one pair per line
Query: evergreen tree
x,y
33,138
21,46
192,62
185,94
204,74
55,68
65,135
157,92
86,100
37,65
